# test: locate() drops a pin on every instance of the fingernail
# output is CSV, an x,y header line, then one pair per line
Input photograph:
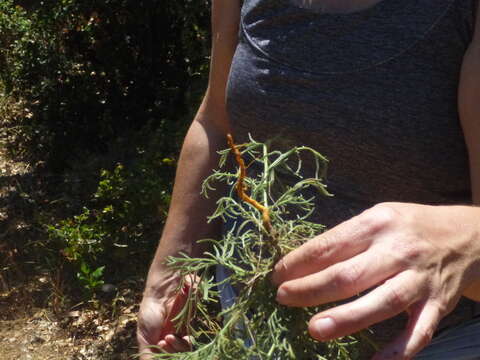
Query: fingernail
x,y
279,266
324,327
281,295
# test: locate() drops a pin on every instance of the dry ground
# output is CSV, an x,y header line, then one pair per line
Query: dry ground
x,y
31,333
30,327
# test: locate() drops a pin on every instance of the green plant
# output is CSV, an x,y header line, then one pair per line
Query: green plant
x,y
91,279
268,223
117,223
86,86
86,73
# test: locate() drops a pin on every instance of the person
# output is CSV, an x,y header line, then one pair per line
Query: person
x,y
389,91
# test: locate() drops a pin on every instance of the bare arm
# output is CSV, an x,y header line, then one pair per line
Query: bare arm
x,y
186,221
469,105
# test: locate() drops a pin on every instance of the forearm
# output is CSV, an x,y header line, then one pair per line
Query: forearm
x,y
187,218
470,118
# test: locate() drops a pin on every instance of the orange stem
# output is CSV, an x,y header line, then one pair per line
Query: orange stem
x,y
241,186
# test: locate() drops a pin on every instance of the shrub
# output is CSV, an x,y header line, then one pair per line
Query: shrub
x,y
95,96
89,72
120,222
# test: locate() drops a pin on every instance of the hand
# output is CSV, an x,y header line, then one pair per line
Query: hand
x,y
417,259
155,326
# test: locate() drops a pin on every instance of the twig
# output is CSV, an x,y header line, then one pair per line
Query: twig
x,y
241,187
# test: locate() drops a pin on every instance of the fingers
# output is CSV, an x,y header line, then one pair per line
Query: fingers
x,y
157,331
178,344
339,281
384,302
170,344
175,344
423,323
340,243
166,347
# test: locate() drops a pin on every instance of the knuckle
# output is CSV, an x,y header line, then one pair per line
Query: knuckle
x,y
425,335
347,276
412,251
319,250
441,307
396,300
408,252
379,217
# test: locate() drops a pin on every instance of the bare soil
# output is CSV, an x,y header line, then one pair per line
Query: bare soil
x,y
35,321
83,333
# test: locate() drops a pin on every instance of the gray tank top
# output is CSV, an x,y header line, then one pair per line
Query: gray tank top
x,y
375,91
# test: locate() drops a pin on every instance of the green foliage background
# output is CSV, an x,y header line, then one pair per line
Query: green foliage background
x,y
95,97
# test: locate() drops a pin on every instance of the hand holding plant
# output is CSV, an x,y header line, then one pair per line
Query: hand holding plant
x,y
156,329
414,258
269,220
